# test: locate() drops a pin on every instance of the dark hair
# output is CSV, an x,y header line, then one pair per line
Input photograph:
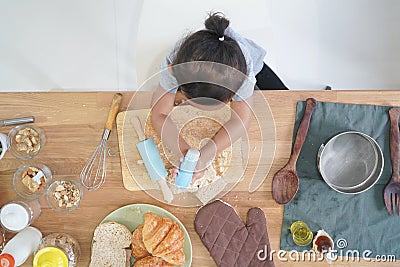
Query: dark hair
x,y
211,45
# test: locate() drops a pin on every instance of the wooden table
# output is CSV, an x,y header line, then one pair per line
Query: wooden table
x,y
73,123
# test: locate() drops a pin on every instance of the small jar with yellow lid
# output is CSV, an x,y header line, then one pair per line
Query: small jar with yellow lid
x,y
57,250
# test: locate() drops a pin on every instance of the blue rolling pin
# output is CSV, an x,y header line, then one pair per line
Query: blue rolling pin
x,y
152,160
187,167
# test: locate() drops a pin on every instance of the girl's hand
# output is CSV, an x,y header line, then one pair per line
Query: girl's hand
x,y
175,171
200,169
198,172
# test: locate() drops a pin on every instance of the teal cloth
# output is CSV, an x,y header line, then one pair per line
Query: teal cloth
x,y
362,219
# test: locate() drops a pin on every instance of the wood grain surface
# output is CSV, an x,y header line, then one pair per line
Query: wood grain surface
x,y
73,123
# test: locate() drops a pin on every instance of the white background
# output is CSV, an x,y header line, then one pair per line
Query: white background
x,y
117,44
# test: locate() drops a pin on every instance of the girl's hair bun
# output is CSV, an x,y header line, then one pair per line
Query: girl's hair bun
x,y
217,23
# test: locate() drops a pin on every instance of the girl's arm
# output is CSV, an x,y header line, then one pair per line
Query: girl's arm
x,y
163,103
227,135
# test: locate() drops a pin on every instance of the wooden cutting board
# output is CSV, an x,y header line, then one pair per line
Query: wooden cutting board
x,y
134,174
251,157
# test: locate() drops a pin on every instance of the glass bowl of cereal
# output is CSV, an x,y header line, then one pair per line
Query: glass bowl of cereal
x,y
31,181
64,195
26,141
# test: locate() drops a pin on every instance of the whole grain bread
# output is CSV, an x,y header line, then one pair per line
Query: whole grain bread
x,y
111,242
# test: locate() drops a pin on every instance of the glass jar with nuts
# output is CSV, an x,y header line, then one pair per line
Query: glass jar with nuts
x,y
64,195
31,181
62,244
26,141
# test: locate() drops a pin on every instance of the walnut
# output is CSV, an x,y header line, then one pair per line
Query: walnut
x,y
18,138
27,140
66,194
22,147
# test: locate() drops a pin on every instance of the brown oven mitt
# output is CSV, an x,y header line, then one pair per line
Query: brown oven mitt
x,y
231,242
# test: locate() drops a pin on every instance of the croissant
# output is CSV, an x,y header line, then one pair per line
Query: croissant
x,y
174,241
151,261
138,248
155,229
176,257
163,238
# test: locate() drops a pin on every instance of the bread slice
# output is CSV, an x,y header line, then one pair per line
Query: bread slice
x,y
110,243
115,234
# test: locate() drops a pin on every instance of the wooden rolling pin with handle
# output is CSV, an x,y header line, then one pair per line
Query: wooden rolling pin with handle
x,y
152,160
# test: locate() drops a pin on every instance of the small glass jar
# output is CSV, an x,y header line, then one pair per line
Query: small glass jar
x,y
17,215
31,181
64,195
26,141
64,243
302,235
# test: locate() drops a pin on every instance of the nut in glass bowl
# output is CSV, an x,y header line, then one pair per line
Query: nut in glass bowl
x,y
64,195
26,141
31,181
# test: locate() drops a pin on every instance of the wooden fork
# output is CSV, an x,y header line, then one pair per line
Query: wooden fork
x,y
392,190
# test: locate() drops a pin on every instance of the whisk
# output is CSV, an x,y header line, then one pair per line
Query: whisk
x,y
93,175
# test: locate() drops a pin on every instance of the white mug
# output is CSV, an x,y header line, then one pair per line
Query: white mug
x,y
5,144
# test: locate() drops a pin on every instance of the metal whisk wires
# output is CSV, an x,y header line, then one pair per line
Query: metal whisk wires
x,y
93,175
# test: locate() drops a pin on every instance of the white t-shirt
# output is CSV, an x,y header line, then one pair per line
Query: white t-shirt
x,y
253,54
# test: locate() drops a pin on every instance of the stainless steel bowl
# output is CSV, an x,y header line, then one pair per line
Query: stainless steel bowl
x,y
350,162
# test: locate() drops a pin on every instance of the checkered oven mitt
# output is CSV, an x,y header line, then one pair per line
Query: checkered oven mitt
x,y
231,242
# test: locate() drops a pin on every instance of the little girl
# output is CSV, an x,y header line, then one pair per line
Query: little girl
x,y
220,44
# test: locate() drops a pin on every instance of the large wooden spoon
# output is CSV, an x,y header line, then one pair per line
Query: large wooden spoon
x,y
285,183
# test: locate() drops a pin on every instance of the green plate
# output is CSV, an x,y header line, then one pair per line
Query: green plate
x,y
132,216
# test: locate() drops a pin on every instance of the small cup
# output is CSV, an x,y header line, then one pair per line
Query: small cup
x,y
27,187
301,233
58,190
4,144
17,215
25,148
